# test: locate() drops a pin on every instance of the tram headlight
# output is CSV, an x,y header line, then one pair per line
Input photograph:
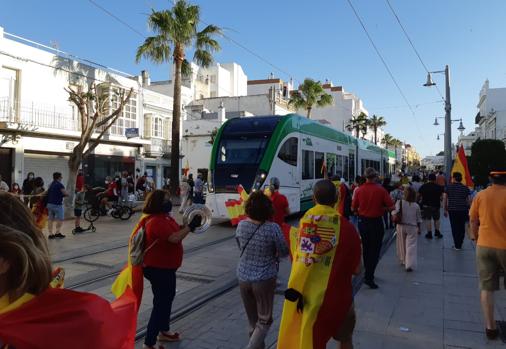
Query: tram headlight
x,y
210,184
259,180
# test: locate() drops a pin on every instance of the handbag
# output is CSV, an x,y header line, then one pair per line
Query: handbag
x,y
397,218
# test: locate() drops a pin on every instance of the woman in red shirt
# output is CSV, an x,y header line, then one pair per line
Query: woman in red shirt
x,y
163,256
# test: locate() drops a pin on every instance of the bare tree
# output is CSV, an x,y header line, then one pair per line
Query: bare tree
x,y
15,133
96,118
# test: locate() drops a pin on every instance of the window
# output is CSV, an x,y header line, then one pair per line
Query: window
x,y
339,166
213,94
331,164
157,127
307,164
213,79
349,166
128,118
9,90
242,150
318,165
288,151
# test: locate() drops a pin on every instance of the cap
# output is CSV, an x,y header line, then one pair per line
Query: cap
x,y
370,172
498,172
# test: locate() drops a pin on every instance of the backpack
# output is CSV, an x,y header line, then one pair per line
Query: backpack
x,y
138,247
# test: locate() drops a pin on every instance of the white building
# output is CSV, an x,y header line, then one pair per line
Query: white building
x,y
432,163
491,117
32,82
467,140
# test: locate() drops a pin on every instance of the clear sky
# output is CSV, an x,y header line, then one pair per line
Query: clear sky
x,y
319,39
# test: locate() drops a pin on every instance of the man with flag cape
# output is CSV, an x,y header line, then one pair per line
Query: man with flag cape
x,y
326,253
460,166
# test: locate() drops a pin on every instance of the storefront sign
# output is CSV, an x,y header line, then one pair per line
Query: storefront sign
x,y
131,133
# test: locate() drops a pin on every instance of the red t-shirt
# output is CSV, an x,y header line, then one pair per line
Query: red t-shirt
x,y
110,189
79,182
280,204
370,200
163,254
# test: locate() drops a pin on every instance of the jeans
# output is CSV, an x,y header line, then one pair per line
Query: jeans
x,y
458,221
372,232
258,300
163,285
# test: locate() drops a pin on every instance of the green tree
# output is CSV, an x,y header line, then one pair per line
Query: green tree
x,y
375,122
309,94
388,140
358,124
486,155
441,153
176,31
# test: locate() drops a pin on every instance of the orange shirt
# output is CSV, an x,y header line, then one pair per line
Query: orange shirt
x,y
489,208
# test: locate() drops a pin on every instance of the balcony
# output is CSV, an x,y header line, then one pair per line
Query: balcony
x,y
157,148
38,115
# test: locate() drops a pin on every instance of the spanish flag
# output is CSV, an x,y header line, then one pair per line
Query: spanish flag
x,y
131,278
460,165
235,208
62,319
326,251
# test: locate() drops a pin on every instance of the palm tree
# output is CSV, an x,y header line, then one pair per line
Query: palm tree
x,y
176,30
375,122
358,124
388,140
310,93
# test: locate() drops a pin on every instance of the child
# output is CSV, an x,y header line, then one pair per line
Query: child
x,y
78,208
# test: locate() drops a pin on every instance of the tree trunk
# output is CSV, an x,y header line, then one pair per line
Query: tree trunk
x,y
74,162
176,120
309,112
375,136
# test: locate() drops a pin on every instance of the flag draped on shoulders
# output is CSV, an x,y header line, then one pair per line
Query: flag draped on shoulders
x,y
62,319
235,208
131,277
319,291
460,165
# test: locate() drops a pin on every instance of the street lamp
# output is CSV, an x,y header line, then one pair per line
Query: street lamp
x,y
439,134
461,127
448,114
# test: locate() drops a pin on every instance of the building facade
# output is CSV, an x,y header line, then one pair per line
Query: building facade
x,y
491,117
35,106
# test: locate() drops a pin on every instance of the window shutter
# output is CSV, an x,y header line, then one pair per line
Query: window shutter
x,y
167,124
147,125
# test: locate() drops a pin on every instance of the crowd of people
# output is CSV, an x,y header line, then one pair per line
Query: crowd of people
x,y
325,249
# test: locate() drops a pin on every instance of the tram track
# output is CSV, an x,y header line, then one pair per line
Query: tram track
x,y
108,274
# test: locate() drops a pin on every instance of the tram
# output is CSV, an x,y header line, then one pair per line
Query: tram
x,y
297,150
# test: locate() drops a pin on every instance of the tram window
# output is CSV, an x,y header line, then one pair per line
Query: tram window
x,y
331,164
288,151
307,164
242,151
318,164
339,166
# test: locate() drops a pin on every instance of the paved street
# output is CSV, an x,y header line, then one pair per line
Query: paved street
x,y
437,306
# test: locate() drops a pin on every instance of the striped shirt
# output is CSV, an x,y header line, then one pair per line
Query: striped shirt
x,y
457,197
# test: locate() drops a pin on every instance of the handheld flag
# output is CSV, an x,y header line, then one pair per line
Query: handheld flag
x,y
235,208
460,165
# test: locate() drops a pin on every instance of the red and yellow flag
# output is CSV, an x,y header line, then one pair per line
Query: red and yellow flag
x,y
460,165
235,208
326,251
63,319
131,278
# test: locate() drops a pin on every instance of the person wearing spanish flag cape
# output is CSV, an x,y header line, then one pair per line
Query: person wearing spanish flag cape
x,y
35,311
326,254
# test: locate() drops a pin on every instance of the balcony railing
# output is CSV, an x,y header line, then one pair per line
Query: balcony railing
x,y
38,115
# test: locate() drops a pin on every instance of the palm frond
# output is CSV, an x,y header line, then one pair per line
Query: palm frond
x,y
186,69
203,58
155,48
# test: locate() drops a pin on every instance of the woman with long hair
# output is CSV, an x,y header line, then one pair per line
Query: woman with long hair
x,y
408,228
261,244
36,315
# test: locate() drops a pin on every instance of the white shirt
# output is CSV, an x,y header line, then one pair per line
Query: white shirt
x,y
411,214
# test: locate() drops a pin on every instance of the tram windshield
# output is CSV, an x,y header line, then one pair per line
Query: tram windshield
x,y
241,147
242,150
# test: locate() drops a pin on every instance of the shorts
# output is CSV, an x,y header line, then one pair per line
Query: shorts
x,y
78,212
430,212
491,262
345,332
55,212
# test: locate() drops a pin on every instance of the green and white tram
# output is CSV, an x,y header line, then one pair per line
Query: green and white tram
x,y
249,151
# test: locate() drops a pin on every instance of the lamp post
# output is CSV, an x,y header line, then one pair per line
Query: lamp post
x,y
448,116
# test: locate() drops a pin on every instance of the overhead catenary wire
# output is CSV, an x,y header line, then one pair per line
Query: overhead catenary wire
x,y
411,43
117,18
387,68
